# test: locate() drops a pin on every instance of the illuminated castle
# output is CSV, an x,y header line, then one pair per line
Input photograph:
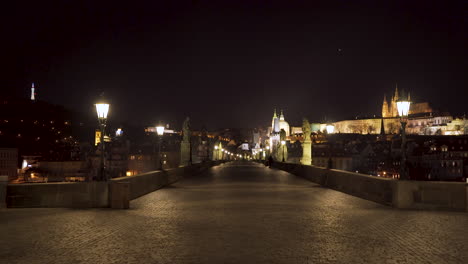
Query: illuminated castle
x,y
391,110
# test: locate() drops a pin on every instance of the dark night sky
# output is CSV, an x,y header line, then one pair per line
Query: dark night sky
x,y
229,64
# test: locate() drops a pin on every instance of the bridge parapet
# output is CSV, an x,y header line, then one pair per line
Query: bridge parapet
x,y
96,194
397,193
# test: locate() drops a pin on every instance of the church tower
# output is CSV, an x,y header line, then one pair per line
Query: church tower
x,y
273,120
395,98
33,93
385,112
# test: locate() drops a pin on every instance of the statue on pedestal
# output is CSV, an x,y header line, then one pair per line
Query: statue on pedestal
x,y
185,146
307,144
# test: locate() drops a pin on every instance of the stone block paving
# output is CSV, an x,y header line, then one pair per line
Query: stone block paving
x,y
236,213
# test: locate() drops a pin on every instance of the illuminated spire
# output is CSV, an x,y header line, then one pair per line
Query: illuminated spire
x,y
281,115
396,92
274,114
33,94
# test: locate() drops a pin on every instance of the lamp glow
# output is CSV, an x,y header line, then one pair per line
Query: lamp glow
x,y
330,129
160,130
283,142
102,109
403,107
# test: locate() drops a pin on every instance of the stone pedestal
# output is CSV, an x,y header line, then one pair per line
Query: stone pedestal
x,y
306,153
184,154
3,191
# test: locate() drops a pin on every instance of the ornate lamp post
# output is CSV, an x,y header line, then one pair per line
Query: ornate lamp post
x,y
283,143
160,132
102,110
403,106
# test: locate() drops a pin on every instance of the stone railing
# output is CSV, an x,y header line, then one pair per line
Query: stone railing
x,y
116,193
397,193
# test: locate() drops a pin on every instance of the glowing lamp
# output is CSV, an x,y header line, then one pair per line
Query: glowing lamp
x,y
283,142
403,107
102,109
216,147
330,129
160,130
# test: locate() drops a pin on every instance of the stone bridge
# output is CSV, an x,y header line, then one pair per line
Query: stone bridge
x,y
238,212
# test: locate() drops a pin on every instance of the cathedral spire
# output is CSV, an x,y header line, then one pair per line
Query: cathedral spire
x,y
385,110
281,115
396,92
274,114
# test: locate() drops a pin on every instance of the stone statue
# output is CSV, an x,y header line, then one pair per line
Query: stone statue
x,y
185,145
282,135
282,150
307,144
186,130
306,129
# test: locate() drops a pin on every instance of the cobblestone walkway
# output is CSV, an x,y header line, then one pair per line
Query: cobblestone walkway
x,y
236,213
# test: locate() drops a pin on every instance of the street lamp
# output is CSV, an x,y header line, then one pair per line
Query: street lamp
x,y
403,107
102,109
283,143
160,132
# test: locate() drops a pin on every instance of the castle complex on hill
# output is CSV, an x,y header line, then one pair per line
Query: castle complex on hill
x,y
390,109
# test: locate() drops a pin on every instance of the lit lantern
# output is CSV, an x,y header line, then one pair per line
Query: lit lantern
x,y
403,107
160,130
102,109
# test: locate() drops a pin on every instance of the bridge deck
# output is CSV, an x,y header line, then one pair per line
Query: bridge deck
x,y
236,213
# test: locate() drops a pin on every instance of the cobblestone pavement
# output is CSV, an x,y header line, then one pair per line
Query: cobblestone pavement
x,y
236,213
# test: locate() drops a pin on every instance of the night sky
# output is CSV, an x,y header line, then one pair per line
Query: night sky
x,y
229,63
